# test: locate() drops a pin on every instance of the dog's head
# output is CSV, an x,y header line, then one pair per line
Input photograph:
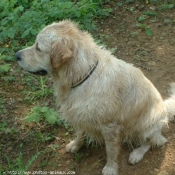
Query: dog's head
x,y
51,50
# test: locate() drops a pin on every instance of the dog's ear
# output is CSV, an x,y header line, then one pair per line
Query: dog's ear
x,y
60,54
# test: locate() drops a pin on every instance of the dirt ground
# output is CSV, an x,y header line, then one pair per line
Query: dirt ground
x,y
154,55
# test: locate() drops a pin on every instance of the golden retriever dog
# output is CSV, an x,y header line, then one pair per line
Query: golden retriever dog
x,y
99,95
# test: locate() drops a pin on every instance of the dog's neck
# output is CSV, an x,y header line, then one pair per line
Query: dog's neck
x,y
74,75
82,80
76,70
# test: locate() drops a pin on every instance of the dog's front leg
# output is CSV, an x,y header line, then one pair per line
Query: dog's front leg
x,y
111,134
75,144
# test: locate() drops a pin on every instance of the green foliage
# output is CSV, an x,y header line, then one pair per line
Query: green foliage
x,y
150,13
163,4
129,1
9,78
142,18
4,68
3,127
23,19
166,6
144,27
1,106
49,114
43,137
147,30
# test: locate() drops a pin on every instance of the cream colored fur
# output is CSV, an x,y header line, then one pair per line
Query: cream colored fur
x,y
116,102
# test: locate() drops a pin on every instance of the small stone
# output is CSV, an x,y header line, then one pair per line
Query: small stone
x,y
152,172
151,63
20,87
9,149
152,8
156,170
16,112
163,173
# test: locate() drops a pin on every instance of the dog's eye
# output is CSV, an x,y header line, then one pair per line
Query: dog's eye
x,y
37,48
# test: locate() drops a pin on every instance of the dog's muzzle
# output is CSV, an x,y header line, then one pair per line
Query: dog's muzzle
x,y
18,56
42,72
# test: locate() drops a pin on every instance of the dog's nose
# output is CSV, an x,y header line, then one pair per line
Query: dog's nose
x,y
18,56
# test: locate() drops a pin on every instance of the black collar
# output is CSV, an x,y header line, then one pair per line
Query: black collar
x,y
86,76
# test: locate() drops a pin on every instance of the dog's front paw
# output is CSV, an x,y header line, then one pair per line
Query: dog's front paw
x,y
107,170
135,156
73,147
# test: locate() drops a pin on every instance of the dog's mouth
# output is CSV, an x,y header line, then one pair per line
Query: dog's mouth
x,y
40,72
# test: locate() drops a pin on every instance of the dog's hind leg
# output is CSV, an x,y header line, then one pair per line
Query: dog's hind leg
x,y
111,134
75,144
137,154
156,139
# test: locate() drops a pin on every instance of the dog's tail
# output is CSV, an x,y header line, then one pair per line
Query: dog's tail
x,y
170,102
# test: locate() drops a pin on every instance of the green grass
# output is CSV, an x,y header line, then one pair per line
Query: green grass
x,y
39,88
17,165
78,157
